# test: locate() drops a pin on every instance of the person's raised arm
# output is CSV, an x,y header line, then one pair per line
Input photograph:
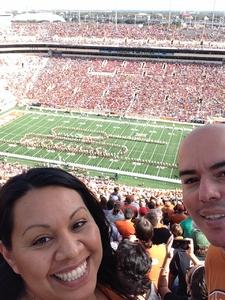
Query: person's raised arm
x,y
163,284
190,253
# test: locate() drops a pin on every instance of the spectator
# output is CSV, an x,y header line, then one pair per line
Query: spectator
x,y
201,244
116,214
144,232
177,231
194,277
133,266
161,233
54,236
128,203
168,209
103,204
201,167
178,215
115,196
108,207
115,236
143,210
187,227
126,227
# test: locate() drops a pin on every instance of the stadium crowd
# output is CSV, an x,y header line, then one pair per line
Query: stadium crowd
x,y
175,91
153,222
100,186
199,36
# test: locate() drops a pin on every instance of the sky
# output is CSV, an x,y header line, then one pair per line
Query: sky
x,y
181,5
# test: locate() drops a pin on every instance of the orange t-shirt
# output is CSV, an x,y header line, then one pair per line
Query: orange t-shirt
x,y
125,227
215,272
157,254
168,210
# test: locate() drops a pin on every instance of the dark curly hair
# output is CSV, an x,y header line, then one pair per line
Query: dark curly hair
x,y
133,265
198,284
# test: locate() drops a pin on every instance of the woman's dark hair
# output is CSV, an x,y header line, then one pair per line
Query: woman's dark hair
x,y
151,204
133,265
144,231
110,204
116,208
11,284
166,219
103,202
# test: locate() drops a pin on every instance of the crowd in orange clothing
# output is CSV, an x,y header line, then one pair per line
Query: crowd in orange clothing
x,y
181,92
190,36
153,227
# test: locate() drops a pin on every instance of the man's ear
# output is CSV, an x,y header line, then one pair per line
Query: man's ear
x,y
9,257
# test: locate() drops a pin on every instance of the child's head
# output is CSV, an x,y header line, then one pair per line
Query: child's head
x,y
133,266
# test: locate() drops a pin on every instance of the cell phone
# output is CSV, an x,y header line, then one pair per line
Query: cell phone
x,y
181,244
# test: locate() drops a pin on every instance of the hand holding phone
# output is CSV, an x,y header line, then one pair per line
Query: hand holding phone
x,y
183,244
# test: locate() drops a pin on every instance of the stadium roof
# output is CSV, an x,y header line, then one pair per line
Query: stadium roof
x,y
38,17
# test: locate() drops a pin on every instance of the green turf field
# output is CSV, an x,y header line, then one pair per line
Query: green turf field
x,y
133,148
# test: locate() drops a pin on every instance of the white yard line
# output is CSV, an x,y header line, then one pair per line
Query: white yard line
x,y
166,150
175,157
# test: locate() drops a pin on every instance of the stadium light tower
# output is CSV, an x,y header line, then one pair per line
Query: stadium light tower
x,y
79,16
116,18
169,21
213,12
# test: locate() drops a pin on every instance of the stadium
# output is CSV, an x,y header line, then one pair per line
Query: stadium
x,y
125,100
109,97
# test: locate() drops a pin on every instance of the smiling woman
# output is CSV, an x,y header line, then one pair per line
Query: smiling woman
x,y
54,240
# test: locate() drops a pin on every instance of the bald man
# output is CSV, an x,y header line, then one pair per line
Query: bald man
x,y
201,162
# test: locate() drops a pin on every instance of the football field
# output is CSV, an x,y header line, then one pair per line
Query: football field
x,y
130,147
